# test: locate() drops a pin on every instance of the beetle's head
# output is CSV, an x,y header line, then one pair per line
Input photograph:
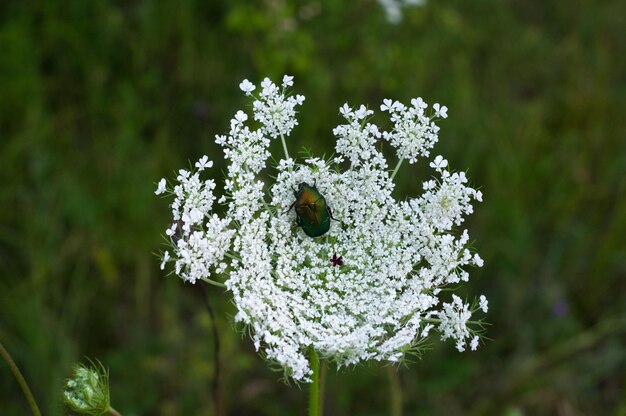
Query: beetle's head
x,y
301,186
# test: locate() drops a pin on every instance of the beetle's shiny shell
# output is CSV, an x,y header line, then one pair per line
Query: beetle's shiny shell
x,y
312,213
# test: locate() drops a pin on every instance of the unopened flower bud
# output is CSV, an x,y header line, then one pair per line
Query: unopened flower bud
x,y
87,390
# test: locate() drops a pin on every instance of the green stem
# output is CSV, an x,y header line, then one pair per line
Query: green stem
x,y
395,392
282,139
20,380
213,282
266,205
393,174
314,389
113,412
322,385
232,256
438,321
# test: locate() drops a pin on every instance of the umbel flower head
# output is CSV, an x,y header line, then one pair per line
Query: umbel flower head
x,y
87,390
371,288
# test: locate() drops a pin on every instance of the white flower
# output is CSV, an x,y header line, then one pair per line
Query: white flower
x,y
162,187
368,289
199,251
200,239
440,111
247,87
386,105
357,141
454,317
287,81
426,330
484,304
419,103
362,112
474,343
276,111
439,163
445,205
240,118
413,133
204,163
166,257
183,174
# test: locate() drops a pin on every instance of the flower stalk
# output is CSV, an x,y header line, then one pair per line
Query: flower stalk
x,y
315,393
395,171
213,282
20,380
395,391
282,139
113,412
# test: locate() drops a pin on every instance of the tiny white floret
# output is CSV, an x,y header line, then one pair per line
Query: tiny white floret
x,y
166,257
474,343
287,81
247,87
440,111
484,304
439,163
161,187
204,163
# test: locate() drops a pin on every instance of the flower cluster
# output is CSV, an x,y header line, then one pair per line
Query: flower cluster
x,y
87,390
368,289
201,239
414,133
274,109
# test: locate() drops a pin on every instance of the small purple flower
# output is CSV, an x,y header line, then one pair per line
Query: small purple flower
x,y
337,261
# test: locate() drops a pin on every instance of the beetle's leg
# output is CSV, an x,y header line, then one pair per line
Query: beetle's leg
x,y
331,214
294,203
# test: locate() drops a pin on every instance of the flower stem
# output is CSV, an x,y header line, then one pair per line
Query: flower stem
x,y
266,205
232,256
393,174
282,139
395,392
322,385
217,402
438,321
314,389
20,380
213,282
113,412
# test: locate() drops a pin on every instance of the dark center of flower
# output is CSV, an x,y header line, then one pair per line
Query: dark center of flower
x,y
337,261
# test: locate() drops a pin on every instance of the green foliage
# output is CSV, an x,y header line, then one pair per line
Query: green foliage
x,y
98,100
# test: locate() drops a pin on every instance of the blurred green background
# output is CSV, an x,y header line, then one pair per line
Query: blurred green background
x,y
100,99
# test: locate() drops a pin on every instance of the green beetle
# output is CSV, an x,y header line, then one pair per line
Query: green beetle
x,y
312,212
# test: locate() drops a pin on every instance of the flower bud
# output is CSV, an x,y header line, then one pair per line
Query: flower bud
x,y
87,390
